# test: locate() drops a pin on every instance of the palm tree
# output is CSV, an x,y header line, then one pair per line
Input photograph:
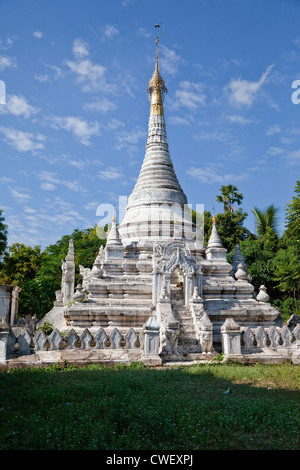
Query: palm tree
x,y
229,195
265,219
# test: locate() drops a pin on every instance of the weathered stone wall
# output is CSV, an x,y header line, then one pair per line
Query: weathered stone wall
x,y
18,347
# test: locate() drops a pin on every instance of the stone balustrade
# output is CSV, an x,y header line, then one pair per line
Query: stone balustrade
x,y
273,338
111,344
143,344
269,343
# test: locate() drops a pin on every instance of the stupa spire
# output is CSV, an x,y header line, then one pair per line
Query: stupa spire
x,y
214,239
156,88
157,189
113,237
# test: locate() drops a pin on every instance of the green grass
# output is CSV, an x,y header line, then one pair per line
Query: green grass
x,y
132,408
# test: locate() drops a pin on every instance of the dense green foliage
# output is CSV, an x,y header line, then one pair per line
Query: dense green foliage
x,y
3,235
39,273
229,195
293,215
265,219
133,408
272,260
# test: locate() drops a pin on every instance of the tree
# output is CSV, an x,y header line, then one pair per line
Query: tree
x,y
286,263
20,262
3,234
259,254
231,228
229,195
293,215
39,274
206,219
86,247
287,271
20,266
265,219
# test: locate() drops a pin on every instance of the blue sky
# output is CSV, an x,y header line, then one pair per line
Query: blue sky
x,y
74,126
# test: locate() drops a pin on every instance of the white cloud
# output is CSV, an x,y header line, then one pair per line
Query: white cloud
x,y
114,124
293,157
214,173
244,92
18,106
7,42
127,2
296,41
103,105
275,151
80,48
190,95
111,173
144,33
215,136
42,77
109,31
178,121
23,141
48,186
5,179
19,195
74,186
236,119
81,164
29,210
37,34
129,139
80,128
90,76
50,181
91,206
55,74
272,130
169,60
6,62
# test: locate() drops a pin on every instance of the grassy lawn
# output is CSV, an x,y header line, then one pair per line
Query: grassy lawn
x,y
132,408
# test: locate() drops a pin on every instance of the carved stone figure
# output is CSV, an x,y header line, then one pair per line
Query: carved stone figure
x,y
68,275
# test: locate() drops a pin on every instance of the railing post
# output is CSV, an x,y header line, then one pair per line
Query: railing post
x,y
4,332
231,338
151,342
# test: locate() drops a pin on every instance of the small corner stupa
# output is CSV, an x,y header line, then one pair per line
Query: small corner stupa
x,y
156,265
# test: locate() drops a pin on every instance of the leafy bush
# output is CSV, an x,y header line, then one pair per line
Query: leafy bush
x,y
47,328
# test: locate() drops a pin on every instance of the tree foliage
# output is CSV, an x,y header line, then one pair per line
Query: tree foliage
x,y
229,195
293,215
259,254
20,262
39,273
231,228
265,219
3,234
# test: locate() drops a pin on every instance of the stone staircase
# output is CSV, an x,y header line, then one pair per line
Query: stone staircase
x,y
187,340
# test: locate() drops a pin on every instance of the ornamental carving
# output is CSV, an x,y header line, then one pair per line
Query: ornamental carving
x,y
176,254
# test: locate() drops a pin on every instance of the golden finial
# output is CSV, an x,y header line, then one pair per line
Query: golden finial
x,y
114,218
157,87
214,219
156,54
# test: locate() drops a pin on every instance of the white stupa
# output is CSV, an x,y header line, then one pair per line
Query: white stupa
x,y
155,265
